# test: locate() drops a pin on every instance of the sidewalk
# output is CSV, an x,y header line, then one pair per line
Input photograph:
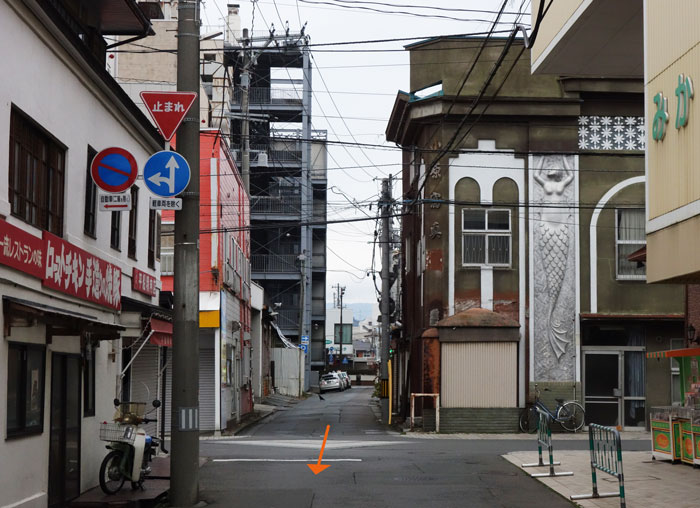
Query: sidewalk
x,y
648,483
559,436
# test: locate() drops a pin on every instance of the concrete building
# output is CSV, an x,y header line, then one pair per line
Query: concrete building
x,y
287,179
66,268
516,266
335,333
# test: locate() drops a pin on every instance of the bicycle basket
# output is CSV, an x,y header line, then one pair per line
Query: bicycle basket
x,y
114,432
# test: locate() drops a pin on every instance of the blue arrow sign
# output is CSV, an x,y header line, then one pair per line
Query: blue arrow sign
x,y
304,348
345,361
166,173
330,358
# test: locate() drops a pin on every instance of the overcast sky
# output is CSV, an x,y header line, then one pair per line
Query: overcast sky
x,y
359,84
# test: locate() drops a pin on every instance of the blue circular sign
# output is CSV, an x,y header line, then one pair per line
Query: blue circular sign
x,y
166,173
114,169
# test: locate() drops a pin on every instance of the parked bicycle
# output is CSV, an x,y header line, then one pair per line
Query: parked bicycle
x,y
569,414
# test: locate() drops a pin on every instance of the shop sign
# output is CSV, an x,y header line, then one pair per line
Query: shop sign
x,y
684,93
21,250
143,282
73,271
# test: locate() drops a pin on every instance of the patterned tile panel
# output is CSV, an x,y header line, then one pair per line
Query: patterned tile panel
x,y
611,133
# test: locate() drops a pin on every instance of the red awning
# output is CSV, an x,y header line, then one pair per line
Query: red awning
x,y
675,353
161,332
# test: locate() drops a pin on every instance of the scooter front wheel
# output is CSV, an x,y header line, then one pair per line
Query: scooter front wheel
x,y
111,477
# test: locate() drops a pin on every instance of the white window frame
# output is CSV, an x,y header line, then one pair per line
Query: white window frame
x,y
619,242
165,253
489,233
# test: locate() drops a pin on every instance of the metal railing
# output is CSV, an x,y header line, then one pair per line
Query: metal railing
x,y
279,205
275,154
544,438
288,318
275,263
277,96
606,455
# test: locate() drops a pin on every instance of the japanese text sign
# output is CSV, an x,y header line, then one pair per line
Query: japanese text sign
x,y
143,282
21,250
168,109
73,271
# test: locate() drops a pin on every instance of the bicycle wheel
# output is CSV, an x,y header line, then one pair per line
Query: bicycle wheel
x,y
571,416
528,419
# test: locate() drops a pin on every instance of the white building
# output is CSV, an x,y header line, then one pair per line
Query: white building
x,y
64,266
333,336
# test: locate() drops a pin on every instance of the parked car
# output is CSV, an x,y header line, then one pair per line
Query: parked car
x,y
331,381
346,379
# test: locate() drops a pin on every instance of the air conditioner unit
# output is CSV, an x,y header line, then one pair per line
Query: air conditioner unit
x,y
228,275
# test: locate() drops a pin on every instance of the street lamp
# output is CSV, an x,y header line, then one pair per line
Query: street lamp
x,y
690,335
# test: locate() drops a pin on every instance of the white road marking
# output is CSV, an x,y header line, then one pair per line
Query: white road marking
x,y
285,460
311,444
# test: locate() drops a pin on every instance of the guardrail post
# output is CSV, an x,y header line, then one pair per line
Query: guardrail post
x,y
606,455
544,438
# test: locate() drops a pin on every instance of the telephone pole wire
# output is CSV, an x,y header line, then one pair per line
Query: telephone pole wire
x,y
385,205
184,456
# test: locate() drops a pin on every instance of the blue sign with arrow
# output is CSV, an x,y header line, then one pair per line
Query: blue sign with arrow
x,y
166,173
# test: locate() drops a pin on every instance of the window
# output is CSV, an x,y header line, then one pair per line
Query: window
x,y
36,173
486,237
89,380
631,236
347,333
152,238
676,398
90,221
167,252
115,238
25,389
133,214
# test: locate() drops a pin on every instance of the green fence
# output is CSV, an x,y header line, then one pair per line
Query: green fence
x,y
606,456
544,438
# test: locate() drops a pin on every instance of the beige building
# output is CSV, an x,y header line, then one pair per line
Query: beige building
x,y
657,42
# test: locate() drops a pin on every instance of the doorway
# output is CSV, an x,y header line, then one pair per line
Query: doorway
x,y
64,449
614,387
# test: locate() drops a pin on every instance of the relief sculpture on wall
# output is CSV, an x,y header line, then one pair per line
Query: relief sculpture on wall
x,y
554,267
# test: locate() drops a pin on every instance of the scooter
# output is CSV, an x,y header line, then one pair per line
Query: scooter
x,y
131,448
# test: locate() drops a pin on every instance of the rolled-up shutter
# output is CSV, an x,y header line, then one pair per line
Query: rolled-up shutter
x,y
144,380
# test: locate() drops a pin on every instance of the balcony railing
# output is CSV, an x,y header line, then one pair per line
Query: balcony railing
x,y
273,96
275,205
275,263
288,318
274,154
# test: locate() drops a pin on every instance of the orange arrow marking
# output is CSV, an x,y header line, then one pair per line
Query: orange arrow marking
x,y
318,467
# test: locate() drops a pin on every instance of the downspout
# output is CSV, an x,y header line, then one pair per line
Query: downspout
x,y
163,400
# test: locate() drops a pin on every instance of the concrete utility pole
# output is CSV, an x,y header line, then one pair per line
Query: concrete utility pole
x,y
341,293
245,122
184,458
385,204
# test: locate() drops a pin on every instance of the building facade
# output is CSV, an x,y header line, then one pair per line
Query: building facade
x,y
516,253
66,267
287,179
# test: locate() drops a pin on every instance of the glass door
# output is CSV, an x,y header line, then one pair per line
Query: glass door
x,y
634,392
602,387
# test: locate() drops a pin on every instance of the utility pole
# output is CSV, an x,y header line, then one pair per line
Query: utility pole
x,y
341,293
245,122
184,458
385,205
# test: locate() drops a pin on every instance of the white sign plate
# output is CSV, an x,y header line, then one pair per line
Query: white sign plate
x,y
165,203
114,202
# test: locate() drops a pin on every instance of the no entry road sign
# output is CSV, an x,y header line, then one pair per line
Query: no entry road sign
x,y
114,170
166,173
168,109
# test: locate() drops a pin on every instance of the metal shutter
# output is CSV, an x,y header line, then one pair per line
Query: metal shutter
x,y
207,392
144,380
479,374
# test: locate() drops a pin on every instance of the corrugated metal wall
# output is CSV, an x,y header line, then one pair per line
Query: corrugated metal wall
x,y
479,374
289,370
144,380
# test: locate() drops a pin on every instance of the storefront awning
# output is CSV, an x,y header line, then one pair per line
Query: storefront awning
x,y
161,332
675,353
59,322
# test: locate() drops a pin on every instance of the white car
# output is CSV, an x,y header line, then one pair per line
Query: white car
x,y
345,378
331,381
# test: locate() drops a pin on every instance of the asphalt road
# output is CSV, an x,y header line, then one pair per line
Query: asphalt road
x,y
369,466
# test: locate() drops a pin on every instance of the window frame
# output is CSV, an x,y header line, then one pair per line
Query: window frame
x,y
487,233
618,242
27,139
115,231
90,213
132,232
24,430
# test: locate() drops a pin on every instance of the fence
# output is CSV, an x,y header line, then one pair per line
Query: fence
x,y
288,371
606,456
544,438
436,398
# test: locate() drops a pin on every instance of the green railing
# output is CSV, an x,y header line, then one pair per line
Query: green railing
x,y
544,438
606,456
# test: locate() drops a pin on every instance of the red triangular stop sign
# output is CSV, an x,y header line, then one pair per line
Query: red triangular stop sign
x,y
168,109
